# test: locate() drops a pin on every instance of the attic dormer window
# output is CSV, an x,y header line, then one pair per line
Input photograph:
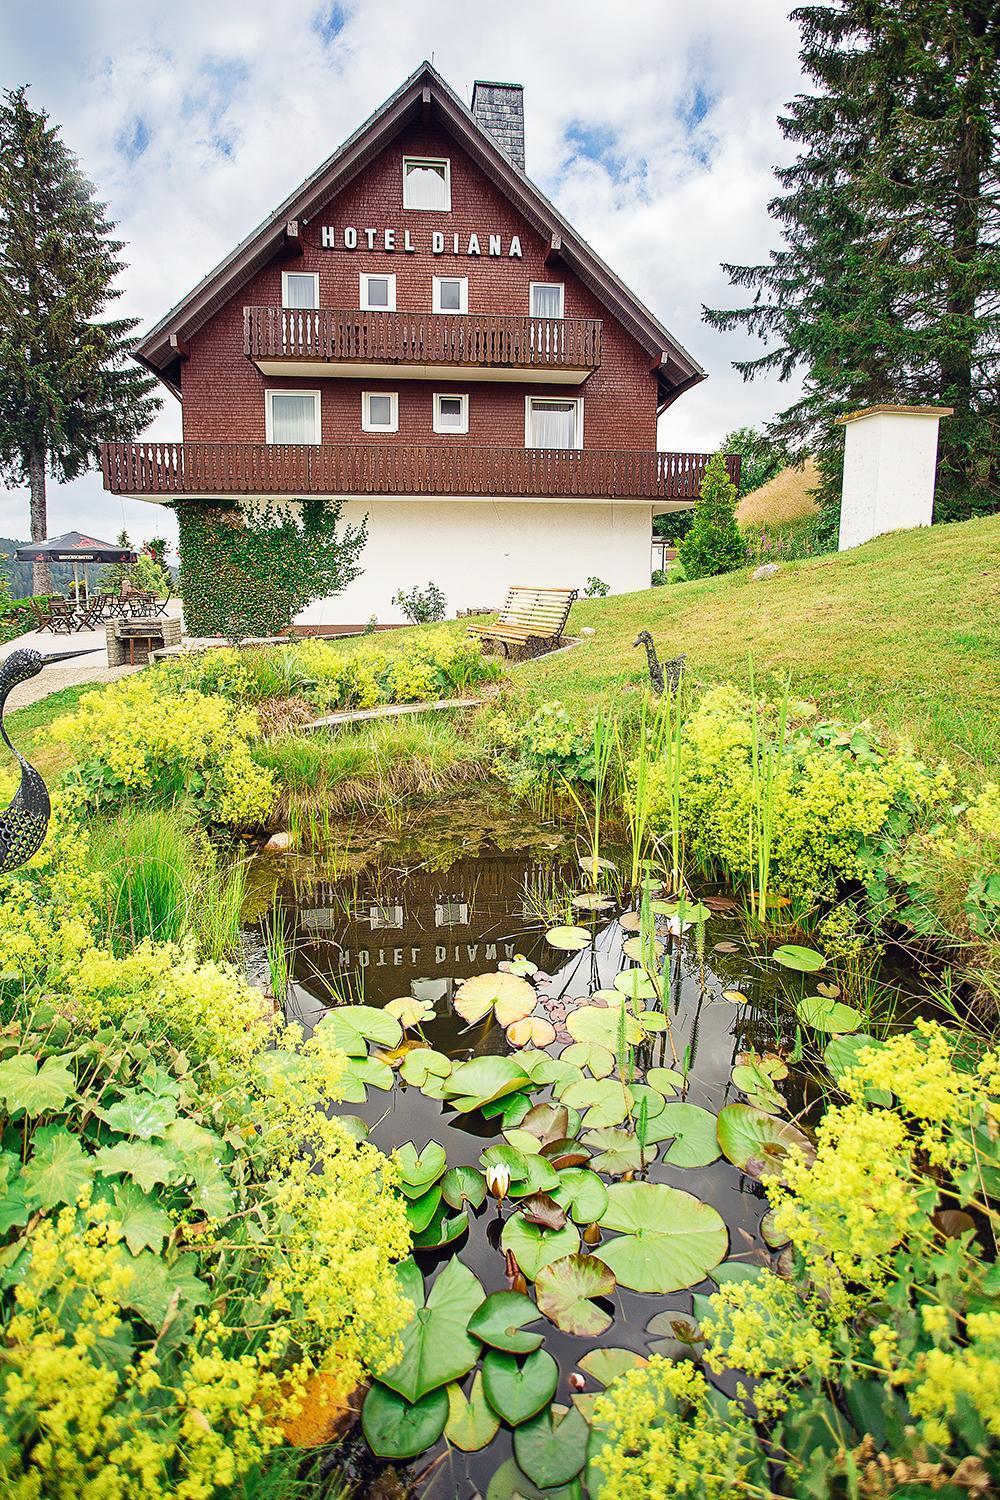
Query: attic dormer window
x,y
427,183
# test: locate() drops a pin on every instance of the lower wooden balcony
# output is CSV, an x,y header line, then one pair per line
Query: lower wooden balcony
x,y
160,471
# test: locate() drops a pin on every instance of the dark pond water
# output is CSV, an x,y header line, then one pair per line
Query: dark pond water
x,y
415,918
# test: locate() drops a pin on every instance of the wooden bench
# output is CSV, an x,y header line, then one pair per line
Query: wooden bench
x,y
532,619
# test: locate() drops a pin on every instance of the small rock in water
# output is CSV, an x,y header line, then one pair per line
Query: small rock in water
x,y
768,570
278,843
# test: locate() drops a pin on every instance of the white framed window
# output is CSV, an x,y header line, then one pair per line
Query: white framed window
x,y
292,416
299,289
427,183
451,294
553,422
451,413
379,411
377,291
547,298
386,915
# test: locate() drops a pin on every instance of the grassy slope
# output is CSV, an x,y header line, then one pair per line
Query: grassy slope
x,y
904,631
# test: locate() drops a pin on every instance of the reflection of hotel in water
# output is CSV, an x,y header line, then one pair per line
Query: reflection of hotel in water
x,y
418,932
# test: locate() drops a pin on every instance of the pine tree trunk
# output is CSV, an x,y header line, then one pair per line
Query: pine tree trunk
x,y
41,579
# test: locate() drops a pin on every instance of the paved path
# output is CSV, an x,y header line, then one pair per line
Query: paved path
x,y
90,668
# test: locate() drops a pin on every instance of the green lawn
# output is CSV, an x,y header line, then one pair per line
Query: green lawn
x,y
904,631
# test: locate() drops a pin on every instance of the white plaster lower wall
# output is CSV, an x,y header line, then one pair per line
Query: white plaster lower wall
x,y
474,550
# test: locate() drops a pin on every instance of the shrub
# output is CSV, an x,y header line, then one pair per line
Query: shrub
x,y
658,577
714,544
421,606
139,739
597,588
550,746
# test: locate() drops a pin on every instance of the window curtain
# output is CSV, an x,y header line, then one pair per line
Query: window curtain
x,y
293,418
546,301
300,291
426,187
553,425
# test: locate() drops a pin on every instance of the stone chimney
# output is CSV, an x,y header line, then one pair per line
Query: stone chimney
x,y
499,110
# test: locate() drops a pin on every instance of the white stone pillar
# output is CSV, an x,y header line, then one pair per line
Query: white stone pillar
x,y
890,457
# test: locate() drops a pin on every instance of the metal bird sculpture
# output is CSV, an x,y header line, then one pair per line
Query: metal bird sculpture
x,y
23,825
670,670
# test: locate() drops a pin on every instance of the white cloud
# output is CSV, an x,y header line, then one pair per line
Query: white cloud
x,y
236,101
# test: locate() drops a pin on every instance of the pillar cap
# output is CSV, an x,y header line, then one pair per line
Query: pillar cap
x,y
888,410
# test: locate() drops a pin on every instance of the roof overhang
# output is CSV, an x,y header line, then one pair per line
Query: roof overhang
x,y
423,96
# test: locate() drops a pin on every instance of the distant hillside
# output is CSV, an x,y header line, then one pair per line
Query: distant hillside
x,y
786,497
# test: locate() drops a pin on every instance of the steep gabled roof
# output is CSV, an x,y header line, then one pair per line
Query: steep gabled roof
x,y
424,95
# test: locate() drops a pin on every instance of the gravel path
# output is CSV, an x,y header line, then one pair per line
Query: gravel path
x,y
51,679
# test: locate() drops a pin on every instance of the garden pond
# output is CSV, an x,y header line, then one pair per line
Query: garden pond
x,y
620,1071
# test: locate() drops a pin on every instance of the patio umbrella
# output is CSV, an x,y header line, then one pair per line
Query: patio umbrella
x,y
76,548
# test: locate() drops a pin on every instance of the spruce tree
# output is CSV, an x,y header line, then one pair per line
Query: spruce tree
x,y
714,543
66,381
887,284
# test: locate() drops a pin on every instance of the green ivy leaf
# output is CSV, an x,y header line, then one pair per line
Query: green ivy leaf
x,y
144,1224
139,1113
36,1091
146,1164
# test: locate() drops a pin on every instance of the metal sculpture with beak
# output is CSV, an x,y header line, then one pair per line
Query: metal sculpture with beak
x,y
24,823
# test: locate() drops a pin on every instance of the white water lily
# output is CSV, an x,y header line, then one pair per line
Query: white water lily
x,y
498,1181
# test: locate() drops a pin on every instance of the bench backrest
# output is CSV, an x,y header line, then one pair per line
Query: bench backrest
x,y
544,611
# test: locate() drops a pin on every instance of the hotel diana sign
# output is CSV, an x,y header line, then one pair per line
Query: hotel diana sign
x,y
441,242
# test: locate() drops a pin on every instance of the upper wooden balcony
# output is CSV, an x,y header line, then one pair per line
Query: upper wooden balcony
x,y
457,470
419,345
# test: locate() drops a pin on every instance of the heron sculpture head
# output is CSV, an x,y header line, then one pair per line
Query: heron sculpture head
x,y
643,639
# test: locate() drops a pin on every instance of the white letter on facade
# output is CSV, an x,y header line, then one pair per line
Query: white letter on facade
x,y
515,248
407,242
350,239
495,246
437,243
370,237
390,239
329,239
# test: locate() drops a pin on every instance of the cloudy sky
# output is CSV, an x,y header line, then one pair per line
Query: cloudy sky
x,y
651,125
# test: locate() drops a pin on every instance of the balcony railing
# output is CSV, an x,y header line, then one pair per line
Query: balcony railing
x,y
398,469
334,335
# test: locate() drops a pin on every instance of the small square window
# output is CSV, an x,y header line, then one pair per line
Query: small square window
x,y
451,913
427,183
378,293
451,294
547,299
299,289
292,416
386,915
379,411
550,423
451,413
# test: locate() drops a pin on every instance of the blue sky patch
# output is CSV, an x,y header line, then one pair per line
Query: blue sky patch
x,y
330,22
133,138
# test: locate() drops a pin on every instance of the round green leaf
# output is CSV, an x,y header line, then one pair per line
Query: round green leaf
x,y
599,1061
802,960
569,939
517,1391
436,1345
635,984
472,1423
509,1483
397,1428
606,1101
826,1015
599,1023
534,1247
483,1079
420,1211
582,1193
463,1185
510,997
605,1365
424,1063
654,1100
619,1151
564,1288
551,1449
691,1132
757,1142
500,1322
543,1069
442,1230
665,1080
419,1170
668,1239
354,1026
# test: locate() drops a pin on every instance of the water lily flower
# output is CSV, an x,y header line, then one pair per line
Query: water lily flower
x,y
498,1181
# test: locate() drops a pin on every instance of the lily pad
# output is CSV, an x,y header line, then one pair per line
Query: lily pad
x,y
568,939
757,1142
540,1177
508,996
606,1101
461,1186
842,1052
532,1031
769,1232
472,1423
635,984
691,1132
591,901
420,1211
618,1151
802,960
675,1334
534,1247
605,1365
831,1016
543,1069
667,1240
564,1289
397,1428
643,950
443,1229
483,1079
654,1100
424,1063
552,1449
354,1026
500,1322
419,1170
509,1483
409,1012
436,1346
599,1061
665,1080
518,1391
582,1193
598,1023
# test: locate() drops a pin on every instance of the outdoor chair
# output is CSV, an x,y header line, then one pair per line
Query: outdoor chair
x,y
62,619
532,620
